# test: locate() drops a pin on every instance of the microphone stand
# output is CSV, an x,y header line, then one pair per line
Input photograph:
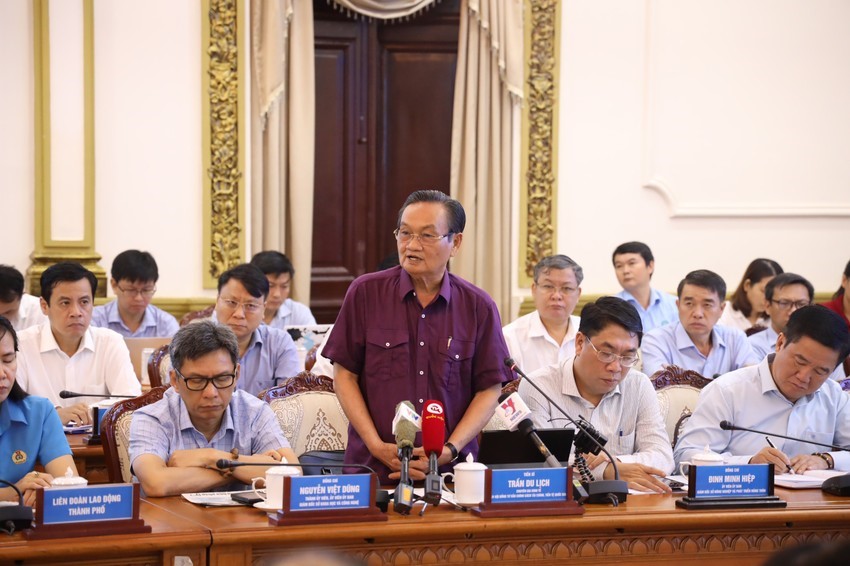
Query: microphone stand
x,y
615,490
726,425
403,496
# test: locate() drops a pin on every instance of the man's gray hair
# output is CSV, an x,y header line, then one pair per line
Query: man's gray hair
x,y
559,261
198,339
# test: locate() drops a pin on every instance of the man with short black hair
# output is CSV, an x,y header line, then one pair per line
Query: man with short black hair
x,y
597,383
634,265
66,352
785,293
696,342
547,335
131,314
176,442
281,311
266,354
788,393
22,310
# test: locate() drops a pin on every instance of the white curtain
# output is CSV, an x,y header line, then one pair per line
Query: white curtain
x,y
283,132
487,86
385,9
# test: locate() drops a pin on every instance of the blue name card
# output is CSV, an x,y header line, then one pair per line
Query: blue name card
x,y
330,493
746,480
113,502
529,485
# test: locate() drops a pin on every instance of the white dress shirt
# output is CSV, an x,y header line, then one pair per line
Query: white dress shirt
x,y
532,347
292,313
101,365
29,313
749,398
736,319
764,343
629,416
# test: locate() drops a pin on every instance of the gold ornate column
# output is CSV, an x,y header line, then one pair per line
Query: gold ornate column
x,y
538,195
223,136
48,248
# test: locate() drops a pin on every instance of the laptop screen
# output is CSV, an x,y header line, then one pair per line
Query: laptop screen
x,y
512,449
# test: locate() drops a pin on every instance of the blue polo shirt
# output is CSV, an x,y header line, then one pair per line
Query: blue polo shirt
x,y
30,433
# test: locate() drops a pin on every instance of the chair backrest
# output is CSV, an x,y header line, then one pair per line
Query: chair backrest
x,y
494,423
309,413
678,390
115,433
197,315
159,365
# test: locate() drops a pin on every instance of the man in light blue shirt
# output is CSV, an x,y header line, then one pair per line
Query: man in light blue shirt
x,y
634,265
696,341
788,393
785,293
134,277
176,442
266,354
281,311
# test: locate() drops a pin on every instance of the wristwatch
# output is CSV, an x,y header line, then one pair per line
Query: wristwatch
x,y
830,463
453,450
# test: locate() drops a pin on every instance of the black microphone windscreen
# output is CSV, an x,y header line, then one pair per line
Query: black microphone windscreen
x,y
65,394
510,362
526,426
726,425
224,463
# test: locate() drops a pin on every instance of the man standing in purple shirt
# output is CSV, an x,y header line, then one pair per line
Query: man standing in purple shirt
x,y
414,333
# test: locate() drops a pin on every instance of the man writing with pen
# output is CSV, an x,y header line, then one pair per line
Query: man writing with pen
x,y
789,393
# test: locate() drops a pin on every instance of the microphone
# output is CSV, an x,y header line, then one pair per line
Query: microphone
x,y
433,440
601,491
511,410
15,517
224,464
513,413
70,394
726,425
405,436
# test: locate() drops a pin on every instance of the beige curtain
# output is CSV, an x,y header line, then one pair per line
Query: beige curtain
x,y
385,9
282,133
487,86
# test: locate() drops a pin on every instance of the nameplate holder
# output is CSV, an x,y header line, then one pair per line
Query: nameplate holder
x,y
528,492
730,486
311,500
92,510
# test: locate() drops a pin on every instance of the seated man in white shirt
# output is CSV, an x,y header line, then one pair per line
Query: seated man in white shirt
x,y
785,294
634,265
176,442
598,384
547,335
281,311
131,314
21,309
788,393
696,342
66,353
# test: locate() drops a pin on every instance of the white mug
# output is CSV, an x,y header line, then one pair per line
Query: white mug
x,y
706,458
274,485
468,478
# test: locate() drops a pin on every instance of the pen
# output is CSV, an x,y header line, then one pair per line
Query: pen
x,y
770,443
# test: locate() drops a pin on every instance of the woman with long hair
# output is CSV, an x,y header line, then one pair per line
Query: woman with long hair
x,y
747,306
30,431
840,302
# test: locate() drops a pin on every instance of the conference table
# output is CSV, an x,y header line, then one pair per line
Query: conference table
x,y
645,529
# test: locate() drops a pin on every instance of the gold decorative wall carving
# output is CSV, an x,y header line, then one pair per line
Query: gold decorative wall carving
x,y
224,192
539,151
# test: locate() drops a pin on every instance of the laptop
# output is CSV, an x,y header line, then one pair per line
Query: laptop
x,y
512,449
137,347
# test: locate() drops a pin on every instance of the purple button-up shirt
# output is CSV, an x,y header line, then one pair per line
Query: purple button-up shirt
x,y
447,351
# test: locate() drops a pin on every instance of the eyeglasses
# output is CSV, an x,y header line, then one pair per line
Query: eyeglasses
x,y
550,289
785,305
609,357
405,236
200,383
249,308
147,292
